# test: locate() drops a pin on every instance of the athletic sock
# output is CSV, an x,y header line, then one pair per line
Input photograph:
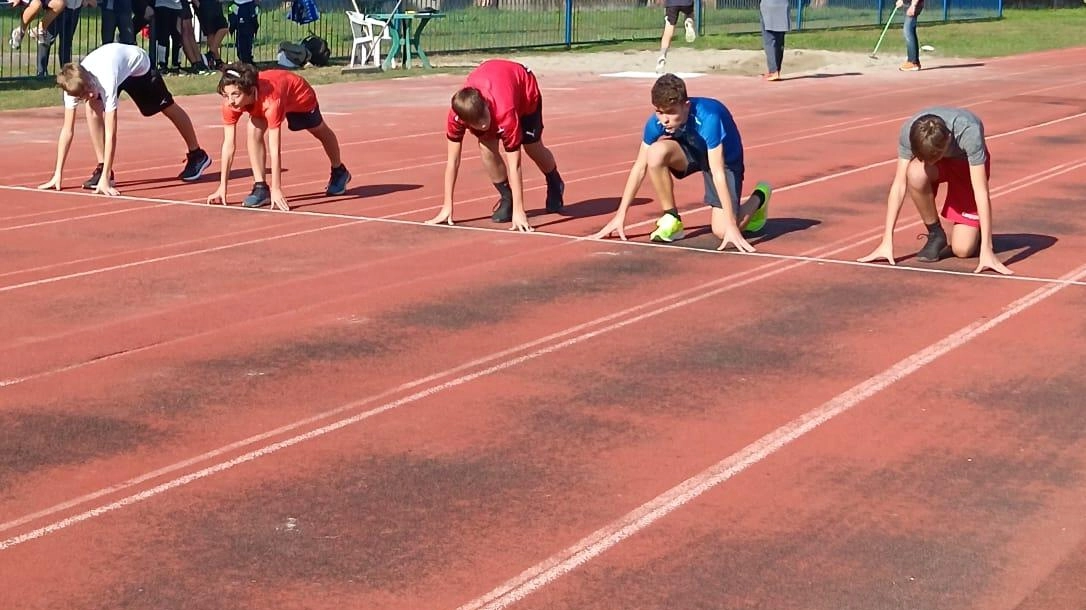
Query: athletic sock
x,y
674,212
553,179
504,190
934,227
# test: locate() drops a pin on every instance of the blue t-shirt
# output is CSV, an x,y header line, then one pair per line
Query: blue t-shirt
x,y
709,125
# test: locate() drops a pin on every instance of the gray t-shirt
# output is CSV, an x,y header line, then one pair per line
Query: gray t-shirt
x,y
966,135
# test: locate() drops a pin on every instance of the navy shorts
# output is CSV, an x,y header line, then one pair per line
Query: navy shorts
x,y
672,12
697,161
297,121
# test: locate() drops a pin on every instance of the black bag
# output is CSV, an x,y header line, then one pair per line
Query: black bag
x,y
319,53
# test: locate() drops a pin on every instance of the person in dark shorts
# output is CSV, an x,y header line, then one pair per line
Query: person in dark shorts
x,y
215,28
270,98
500,102
97,81
672,10
684,137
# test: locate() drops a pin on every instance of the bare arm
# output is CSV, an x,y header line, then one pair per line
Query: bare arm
x,y
275,144
108,152
979,178
633,184
894,201
229,135
64,144
452,170
732,234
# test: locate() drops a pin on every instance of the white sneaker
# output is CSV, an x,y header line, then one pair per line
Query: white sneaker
x,y
17,34
691,35
661,64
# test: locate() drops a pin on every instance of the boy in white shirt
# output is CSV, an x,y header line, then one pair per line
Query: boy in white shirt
x,y
98,81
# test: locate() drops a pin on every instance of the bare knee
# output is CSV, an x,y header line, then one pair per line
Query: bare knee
x,y
657,156
964,241
918,177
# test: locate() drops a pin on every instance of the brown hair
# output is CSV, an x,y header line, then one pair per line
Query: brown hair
x,y
74,80
469,104
241,75
668,91
928,138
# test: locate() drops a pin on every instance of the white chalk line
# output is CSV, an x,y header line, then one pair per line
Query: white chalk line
x,y
593,545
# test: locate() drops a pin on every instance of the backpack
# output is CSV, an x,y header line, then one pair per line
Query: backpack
x,y
296,53
304,11
319,52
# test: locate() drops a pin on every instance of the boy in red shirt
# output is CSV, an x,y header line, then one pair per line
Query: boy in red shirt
x,y
271,97
501,101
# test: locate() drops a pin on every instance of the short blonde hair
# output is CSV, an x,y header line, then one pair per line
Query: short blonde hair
x,y
74,80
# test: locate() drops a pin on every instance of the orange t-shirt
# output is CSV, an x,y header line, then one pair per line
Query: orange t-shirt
x,y
277,93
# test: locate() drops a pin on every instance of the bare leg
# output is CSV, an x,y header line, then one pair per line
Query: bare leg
x,y
181,121
664,156
492,161
97,128
328,140
965,240
542,157
188,42
258,154
919,177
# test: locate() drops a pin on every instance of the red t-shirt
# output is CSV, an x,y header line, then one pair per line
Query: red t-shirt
x,y
510,91
277,93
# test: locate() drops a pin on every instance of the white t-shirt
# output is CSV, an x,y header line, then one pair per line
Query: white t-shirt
x,y
110,64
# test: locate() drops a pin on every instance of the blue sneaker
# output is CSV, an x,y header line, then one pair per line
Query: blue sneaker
x,y
337,184
259,197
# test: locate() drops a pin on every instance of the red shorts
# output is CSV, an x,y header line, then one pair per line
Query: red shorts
x,y
960,206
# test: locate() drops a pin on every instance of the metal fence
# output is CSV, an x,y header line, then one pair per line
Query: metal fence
x,y
483,25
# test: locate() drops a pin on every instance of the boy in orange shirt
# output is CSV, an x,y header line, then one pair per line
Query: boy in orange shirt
x,y
271,97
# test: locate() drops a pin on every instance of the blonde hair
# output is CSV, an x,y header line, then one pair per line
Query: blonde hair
x,y
75,80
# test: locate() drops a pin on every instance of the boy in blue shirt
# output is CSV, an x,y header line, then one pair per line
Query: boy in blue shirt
x,y
687,136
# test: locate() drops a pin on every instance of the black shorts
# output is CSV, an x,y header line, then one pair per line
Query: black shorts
x,y
672,12
186,10
697,158
531,125
297,121
211,17
148,91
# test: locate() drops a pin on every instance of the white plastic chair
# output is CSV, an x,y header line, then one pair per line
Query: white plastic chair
x,y
367,34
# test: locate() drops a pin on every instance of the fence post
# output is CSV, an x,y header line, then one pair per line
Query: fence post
x,y
569,23
799,16
879,20
946,10
697,16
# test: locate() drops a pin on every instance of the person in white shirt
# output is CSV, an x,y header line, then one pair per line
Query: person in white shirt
x,y
98,81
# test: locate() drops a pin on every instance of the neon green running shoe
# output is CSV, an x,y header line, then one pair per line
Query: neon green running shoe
x,y
758,218
668,229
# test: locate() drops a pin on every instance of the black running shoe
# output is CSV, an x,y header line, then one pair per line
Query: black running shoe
x,y
503,211
195,164
555,202
337,183
933,250
95,176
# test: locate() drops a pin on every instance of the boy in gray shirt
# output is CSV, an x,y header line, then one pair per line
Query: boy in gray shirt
x,y
944,145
